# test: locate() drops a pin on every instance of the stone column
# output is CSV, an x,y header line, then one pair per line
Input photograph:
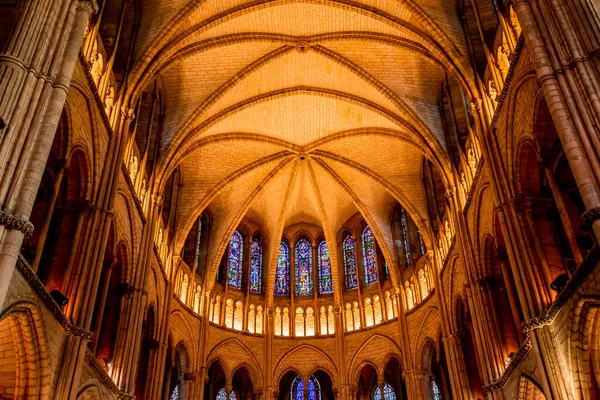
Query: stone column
x,y
566,72
35,74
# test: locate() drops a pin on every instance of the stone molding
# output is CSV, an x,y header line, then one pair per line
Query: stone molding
x,y
587,266
512,366
11,222
37,286
105,379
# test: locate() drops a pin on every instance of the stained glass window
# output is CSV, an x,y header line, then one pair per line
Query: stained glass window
x,y
232,396
370,256
175,393
350,263
388,393
325,281
256,267
282,275
405,238
386,269
222,394
303,270
421,243
314,389
234,265
435,390
199,237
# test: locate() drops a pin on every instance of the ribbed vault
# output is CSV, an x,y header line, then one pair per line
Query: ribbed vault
x,y
287,112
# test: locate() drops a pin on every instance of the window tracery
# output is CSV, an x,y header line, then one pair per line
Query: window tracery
x,y
236,256
256,267
388,393
325,281
350,263
370,256
314,389
303,268
282,275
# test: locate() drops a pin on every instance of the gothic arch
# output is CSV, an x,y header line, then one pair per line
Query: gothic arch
x,y
26,367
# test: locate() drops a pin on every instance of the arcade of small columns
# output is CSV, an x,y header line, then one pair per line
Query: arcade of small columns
x,y
136,137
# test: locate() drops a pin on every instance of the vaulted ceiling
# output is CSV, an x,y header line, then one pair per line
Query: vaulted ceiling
x,y
287,111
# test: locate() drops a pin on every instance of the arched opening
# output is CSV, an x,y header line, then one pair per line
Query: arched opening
x,y
505,322
436,384
24,371
469,349
216,380
146,353
242,384
70,203
367,381
325,383
559,184
108,309
392,374
528,390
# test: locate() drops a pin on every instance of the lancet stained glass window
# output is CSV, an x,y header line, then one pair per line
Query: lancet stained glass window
x,y
435,390
421,243
350,263
325,281
386,269
314,389
234,265
282,275
256,267
303,269
199,237
405,238
388,393
370,256
175,393
222,394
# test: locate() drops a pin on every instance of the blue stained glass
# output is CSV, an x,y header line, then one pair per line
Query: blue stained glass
x,y
421,243
282,275
234,265
197,258
314,389
232,396
350,263
325,281
256,267
405,238
388,393
175,393
437,395
370,256
222,394
304,268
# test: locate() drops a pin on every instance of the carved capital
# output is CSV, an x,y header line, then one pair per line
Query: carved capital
x,y
127,113
89,6
590,216
157,200
450,193
189,376
475,106
16,223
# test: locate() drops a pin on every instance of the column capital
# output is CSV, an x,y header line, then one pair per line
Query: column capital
x,y
12,222
590,216
127,113
89,6
475,106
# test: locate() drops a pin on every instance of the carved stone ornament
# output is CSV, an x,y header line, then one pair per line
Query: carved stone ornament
x,y
90,6
302,46
475,106
15,223
127,113
591,215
